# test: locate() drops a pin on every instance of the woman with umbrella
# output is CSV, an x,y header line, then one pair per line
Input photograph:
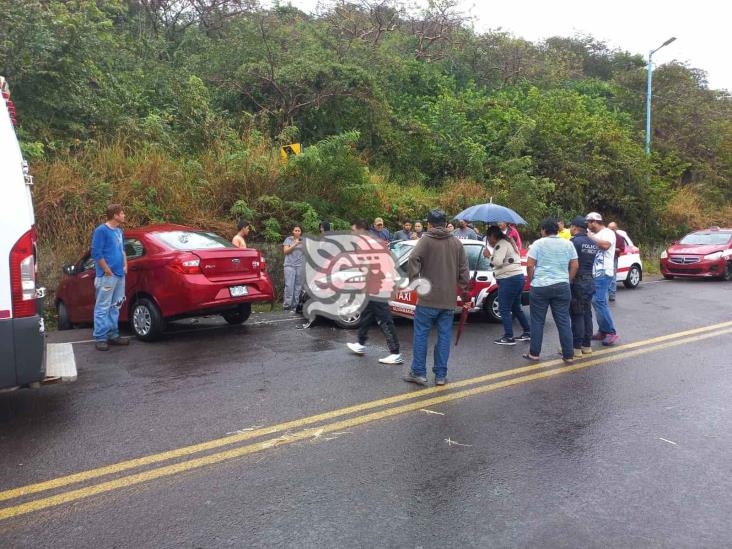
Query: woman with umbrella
x,y
506,263
496,214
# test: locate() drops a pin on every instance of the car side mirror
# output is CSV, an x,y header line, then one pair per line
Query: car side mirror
x,y
69,269
674,242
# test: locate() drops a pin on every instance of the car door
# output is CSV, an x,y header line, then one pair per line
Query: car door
x,y
134,250
81,296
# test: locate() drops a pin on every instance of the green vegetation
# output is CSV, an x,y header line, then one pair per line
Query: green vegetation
x,y
178,108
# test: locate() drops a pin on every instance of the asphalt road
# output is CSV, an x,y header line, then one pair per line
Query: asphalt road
x,y
629,448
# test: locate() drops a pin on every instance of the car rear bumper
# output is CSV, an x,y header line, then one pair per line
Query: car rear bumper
x,y
195,294
701,269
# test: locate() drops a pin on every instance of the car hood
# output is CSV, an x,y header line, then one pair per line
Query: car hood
x,y
695,249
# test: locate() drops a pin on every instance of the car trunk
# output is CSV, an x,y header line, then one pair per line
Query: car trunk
x,y
229,264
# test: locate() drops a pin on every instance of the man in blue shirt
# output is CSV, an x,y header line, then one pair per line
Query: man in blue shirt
x,y
551,266
583,287
108,253
379,231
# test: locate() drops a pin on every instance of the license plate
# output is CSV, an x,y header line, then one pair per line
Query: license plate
x,y
237,291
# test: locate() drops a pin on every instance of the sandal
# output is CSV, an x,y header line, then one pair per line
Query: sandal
x,y
530,357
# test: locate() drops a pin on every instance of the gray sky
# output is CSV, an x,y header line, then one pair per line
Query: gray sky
x,y
638,26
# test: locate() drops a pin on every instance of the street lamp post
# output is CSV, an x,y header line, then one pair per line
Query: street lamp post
x,y
648,93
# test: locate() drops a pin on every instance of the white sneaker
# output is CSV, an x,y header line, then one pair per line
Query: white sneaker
x,y
357,348
392,359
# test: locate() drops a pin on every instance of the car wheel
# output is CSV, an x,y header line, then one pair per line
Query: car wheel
x,y
350,322
64,322
727,271
490,309
668,277
238,315
146,321
635,275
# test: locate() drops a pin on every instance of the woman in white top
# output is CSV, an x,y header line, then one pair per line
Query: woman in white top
x,y
506,263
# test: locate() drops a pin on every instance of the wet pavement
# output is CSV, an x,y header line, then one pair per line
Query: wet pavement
x,y
629,448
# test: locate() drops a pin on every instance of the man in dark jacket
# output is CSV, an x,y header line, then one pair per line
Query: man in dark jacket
x,y
619,250
440,259
405,233
583,287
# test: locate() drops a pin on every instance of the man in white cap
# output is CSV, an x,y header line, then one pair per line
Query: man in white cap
x,y
604,274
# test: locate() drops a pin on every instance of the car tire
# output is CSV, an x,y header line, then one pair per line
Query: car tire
x,y
146,321
64,322
635,275
727,272
668,277
490,310
238,315
351,323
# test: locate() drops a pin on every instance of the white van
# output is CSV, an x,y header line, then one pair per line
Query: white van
x,y
22,331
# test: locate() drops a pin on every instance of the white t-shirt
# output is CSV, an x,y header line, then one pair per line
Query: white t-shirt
x,y
605,259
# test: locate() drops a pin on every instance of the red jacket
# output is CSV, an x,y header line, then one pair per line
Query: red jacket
x,y
619,244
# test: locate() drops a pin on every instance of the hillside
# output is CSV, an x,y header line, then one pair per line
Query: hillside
x,y
177,109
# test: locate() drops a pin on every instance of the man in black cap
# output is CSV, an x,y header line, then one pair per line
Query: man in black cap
x,y
440,259
583,287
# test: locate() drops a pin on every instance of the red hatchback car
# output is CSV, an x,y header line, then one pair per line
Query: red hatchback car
x,y
173,272
704,254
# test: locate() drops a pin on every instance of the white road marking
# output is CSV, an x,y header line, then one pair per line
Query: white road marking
x,y
451,442
426,411
669,441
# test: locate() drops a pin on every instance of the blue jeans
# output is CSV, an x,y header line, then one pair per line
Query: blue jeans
x,y
558,297
509,303
424,319
600,304
110,295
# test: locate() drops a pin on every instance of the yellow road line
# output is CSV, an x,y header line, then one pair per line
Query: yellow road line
x,y
130,480
302,422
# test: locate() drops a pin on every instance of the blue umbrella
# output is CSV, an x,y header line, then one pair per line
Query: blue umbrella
x,y
491,213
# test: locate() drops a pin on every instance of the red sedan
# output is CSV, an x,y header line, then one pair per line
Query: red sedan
x,y
173,272
706,254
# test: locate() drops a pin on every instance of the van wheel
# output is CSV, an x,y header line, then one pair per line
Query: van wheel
x,y
634,277
146,321
238,315
490,308
64,322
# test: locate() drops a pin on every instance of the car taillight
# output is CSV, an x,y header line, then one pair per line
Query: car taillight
x,y
23,275
187,264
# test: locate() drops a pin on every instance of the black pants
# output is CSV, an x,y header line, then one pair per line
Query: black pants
x,y
580,311
378,311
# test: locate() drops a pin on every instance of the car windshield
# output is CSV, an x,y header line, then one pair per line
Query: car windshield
x,y
193,240
400,249
707,239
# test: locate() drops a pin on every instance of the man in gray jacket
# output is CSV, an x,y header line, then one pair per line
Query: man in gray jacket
x,y
441,259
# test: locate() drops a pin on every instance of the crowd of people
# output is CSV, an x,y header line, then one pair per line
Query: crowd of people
x,y
571,271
